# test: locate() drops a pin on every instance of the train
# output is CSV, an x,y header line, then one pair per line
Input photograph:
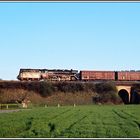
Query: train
x,y
74,75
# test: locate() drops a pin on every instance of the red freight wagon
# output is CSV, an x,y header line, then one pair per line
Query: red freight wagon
x,y
97,75
128,76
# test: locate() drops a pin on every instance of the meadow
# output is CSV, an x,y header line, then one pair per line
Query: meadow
x,y
87,121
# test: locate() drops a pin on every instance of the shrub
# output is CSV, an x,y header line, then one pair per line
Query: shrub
x,y
105,87
74,87
107,93
46,89
70,87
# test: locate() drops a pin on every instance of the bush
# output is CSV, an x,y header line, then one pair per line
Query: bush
x,y
107,93
70,87
105,87
46,89
74,87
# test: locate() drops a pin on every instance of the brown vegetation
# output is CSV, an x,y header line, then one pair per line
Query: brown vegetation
x,y
64,93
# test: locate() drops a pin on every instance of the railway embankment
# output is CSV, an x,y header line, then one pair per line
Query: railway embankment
x,y
64,93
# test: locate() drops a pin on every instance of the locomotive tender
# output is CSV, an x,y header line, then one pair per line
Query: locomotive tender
x,y
73,75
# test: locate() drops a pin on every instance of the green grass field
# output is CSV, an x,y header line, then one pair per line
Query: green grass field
x,y
93,121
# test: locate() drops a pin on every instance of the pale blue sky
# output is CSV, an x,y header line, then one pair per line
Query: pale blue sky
x,y
82,36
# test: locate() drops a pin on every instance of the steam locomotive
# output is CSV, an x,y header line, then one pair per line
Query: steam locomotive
x,y
73,75
47,74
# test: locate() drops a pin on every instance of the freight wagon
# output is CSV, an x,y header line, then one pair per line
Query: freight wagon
x,y
128,76
97,75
